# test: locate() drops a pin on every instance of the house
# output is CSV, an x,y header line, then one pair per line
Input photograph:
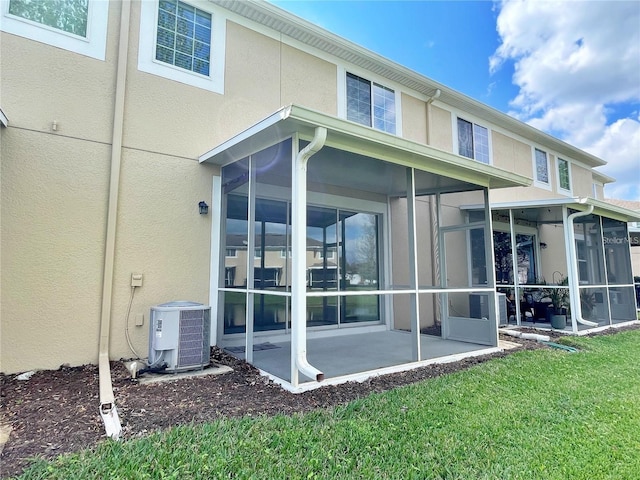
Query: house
x,y
370,196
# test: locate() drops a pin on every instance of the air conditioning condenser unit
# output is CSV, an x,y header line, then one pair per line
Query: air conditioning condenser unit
x,y
179,335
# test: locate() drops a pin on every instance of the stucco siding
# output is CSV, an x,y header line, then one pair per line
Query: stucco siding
x,y
581,181
161,235
414,119
40,84
54,191
511,154
308,80
441,130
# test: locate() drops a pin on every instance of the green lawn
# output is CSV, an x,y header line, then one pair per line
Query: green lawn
x,y
535,414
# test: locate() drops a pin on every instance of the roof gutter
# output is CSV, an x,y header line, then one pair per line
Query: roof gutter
x,y
299,362
572,265
108,410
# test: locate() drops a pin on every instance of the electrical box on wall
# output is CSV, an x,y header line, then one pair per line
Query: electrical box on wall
x,y
136,279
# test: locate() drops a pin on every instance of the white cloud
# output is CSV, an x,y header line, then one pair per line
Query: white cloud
x,y
576,63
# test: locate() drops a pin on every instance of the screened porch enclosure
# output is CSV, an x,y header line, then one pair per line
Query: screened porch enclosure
x,y
352,240
557,248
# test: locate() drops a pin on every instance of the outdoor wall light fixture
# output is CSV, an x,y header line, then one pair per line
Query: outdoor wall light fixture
x,y
204,208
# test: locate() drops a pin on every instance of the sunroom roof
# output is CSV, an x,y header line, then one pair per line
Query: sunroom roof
x,y
600,207
359,141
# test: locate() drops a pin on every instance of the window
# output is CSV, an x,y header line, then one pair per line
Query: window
x,y
184,36
79,26
231,253
371,104
473,141
283,252
542,167
184,42
70,16
564,179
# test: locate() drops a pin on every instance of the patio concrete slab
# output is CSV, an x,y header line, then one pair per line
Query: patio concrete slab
x,y
350,354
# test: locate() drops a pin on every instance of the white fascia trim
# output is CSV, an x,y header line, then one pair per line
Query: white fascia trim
x,y
272,119
147,47
4,121
94,45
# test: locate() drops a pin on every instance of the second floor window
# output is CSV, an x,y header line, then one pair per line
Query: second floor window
x,y
70,16
542,167
371,104
184,36
564,179
473,141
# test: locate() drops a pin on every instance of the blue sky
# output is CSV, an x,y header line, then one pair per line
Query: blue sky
x,y
570,68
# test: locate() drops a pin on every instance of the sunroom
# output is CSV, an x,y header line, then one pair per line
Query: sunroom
x,y
341,252
573,260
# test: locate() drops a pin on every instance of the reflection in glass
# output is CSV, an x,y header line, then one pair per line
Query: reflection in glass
x,y
526,252
589,250
616,246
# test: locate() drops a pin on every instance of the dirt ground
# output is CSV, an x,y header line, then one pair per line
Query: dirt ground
x,y
56,412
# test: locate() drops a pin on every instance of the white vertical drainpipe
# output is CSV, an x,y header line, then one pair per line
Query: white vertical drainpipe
x,y
572,264
299,362
108,410
435,271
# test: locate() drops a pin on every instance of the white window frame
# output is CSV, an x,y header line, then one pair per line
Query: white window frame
x,y
94,45
147,62
234,254
472,121
560,188
536,182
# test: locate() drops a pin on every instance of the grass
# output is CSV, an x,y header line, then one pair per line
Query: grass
x,y
543,414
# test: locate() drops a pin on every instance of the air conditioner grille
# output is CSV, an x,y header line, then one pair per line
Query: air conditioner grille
x,y
193,338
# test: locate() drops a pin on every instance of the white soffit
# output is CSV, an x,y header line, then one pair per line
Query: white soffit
x,y
270,16
352,137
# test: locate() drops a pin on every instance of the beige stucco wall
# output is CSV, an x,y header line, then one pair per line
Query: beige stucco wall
x,y
53,215
414,119
440,130
582,181
511,154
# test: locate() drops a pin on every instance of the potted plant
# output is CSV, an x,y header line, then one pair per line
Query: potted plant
x,y
587,303
559,298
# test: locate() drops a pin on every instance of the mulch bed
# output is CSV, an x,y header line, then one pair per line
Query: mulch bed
x,y
56,412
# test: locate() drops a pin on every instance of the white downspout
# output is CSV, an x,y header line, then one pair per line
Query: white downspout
x,y
435,264
299,362
108,410
572,265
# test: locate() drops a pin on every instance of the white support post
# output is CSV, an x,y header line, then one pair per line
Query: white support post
x,y
251,252
514,267
413,265
216,272
494,311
